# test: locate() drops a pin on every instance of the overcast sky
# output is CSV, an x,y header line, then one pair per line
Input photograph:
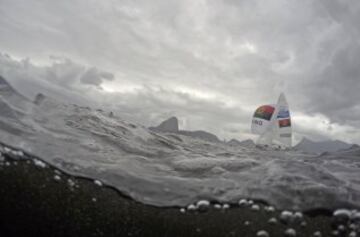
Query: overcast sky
x,y
208,62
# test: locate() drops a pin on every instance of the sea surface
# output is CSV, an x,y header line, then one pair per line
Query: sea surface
x,y
166,169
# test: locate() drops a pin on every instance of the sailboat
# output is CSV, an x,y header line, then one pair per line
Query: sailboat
x,y
273,124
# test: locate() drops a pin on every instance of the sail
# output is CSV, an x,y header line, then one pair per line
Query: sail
x,y
283,130
272,123
262,122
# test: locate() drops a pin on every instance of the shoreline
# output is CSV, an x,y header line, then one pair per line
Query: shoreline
x,y
38,199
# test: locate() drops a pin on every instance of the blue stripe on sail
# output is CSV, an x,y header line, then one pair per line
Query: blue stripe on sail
x,y
283,114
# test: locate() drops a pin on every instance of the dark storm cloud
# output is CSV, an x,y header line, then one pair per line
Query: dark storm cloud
x,y
195,58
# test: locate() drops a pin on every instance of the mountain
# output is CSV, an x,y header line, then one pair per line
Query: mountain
x,y
172,125
169,125
310,146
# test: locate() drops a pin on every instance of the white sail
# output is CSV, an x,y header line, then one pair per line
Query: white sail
x,y
262,119
272,123
283,131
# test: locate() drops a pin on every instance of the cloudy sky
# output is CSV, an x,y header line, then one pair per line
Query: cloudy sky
x,y
208,62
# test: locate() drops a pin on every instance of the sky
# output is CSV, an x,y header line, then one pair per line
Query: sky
x,y
211,63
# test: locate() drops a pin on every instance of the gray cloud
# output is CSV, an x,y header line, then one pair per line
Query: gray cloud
x,y
207,61
94,77
62,78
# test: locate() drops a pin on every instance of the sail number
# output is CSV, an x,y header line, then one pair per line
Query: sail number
x,y
257,122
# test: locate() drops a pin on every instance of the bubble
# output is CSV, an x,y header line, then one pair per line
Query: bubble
x,y
98,183
262,233
341,216
255,207
191,207
270,209
298,216
243,203
352,234
303,224
286,217
202,205
57,178
39,163
226,206
290,232
272,220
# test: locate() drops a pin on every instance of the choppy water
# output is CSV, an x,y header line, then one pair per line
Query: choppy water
x,y
169,169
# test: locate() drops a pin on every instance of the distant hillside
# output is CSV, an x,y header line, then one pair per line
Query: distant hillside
x,y
169,125
172,125
310,146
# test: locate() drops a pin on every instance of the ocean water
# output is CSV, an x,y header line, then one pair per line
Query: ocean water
x,y
165,169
